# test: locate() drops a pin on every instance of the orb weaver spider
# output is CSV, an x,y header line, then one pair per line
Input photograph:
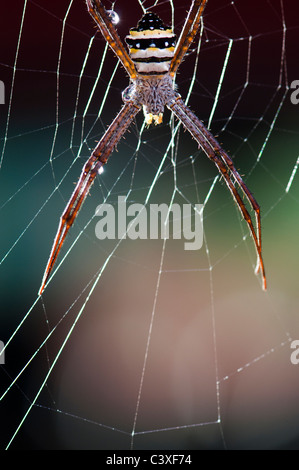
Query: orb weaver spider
x,y
151,62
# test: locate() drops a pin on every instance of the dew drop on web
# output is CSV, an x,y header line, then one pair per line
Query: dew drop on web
x,y
113,16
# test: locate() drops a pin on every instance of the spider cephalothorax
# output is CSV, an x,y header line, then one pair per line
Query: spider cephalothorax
x,y
152,93
152,63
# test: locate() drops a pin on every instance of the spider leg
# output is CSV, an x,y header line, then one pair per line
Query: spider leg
x,y
91,168
188,34
228,161
228,171
102,19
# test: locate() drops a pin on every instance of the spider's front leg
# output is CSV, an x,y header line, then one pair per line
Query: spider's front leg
x,y
98,158
225,166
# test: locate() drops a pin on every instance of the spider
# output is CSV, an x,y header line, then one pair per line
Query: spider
x,y
152,60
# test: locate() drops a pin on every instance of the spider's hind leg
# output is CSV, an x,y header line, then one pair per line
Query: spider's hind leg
x,y
103,19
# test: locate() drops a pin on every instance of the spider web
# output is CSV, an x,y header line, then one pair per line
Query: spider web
x,y
139,343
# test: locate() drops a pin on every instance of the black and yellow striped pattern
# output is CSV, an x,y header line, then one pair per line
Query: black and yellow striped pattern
x,y
151,45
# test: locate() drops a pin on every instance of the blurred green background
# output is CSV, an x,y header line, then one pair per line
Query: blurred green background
x,y
217,371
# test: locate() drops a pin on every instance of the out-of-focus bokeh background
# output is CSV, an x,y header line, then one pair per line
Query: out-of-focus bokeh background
x,y
181,348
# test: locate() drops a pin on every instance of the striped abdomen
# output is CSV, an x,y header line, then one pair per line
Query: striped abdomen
x,y
151,45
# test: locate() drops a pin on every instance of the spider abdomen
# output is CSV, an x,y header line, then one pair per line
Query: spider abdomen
x,y
151,45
